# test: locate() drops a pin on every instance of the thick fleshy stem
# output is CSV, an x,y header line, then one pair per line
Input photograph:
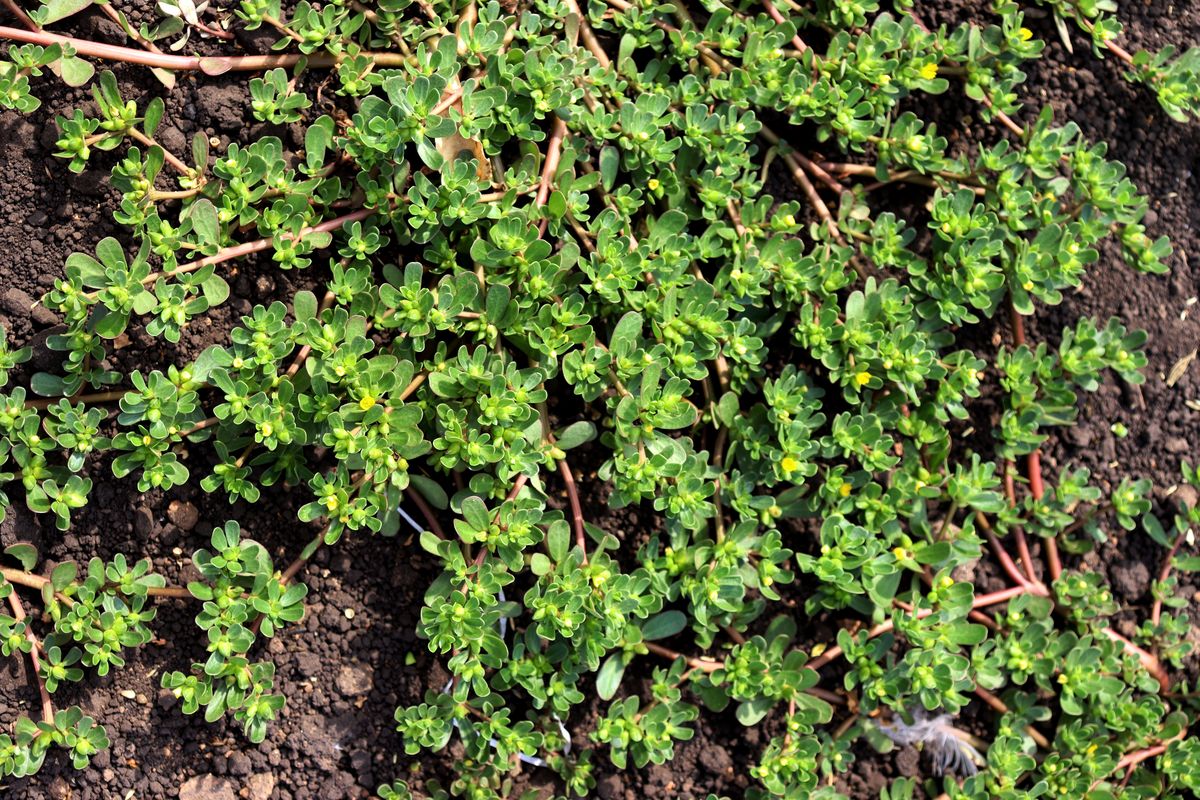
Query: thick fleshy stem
x,y
210,65
20,14
797,42
98,397
257,246
1053,561
1006,563
588,35
1163,574
558,133
702,664
818,171
1000,706
430,518
1148,661
31,581
833,653
576,507
1034,460
1131,760
18,610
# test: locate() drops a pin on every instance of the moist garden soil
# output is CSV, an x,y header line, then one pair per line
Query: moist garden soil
x,y
355,657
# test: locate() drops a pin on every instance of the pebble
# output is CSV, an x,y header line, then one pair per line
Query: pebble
x,y
239,764
308,664
44,316
1187,495
260,786
143,521
208,787
354,680
183,514
167,699
1177,444
16,302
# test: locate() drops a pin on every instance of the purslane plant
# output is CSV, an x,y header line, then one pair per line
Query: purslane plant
x,y
547,230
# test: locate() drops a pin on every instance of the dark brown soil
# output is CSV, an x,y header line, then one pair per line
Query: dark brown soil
x,y
344,668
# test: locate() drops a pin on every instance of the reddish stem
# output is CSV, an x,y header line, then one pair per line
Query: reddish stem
x,y
427,512
210,65
98,397
1163,574
1053,561
517,486
177,592
553,154
257,246
1034,460
199,426
19,614
775,15
702,664
999,705
589,37
1024,554
31,581
1006,562
211,31
1140,756
1034,468
1131,760
20,14
576,508
1148,661
995,598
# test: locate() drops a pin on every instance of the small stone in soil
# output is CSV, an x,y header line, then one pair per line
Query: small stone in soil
x,y
609,787
1177,444
16,302
208,787
261,785
1130,580
308,664
239,764
143,521
354,680
183,514
716,759
908,762
167,699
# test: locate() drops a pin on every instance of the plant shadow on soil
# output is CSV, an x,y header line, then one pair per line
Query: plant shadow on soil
x,y
342,676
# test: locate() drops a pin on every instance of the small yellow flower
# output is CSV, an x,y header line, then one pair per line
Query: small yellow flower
x,y
789,464
863,378
367,403
845,489
1024,34
929,71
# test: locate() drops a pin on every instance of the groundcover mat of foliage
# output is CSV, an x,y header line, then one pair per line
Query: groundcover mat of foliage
x,y
747,374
